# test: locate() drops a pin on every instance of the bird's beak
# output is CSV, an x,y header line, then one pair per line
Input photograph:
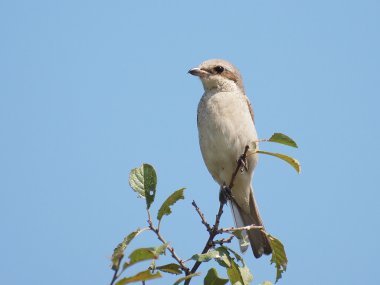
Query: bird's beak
x,y
198,72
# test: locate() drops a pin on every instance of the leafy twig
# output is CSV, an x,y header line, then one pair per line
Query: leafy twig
x,y
214,231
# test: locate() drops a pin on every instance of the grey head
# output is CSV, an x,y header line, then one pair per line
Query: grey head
x,y
219,75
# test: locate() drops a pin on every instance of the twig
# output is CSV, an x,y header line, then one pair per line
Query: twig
x,y
170,248
209,243
246,228
223,241
115,276
215,228
207,225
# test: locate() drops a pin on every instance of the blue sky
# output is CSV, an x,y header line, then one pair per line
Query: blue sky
x,y
91,89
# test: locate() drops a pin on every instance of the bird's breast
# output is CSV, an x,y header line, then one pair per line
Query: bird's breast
x,y
225,127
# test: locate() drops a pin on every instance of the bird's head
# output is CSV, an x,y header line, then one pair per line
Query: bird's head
x,y
218,75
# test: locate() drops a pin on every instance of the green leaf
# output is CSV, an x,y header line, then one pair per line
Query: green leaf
x,y
141,276
143,181
283,139
238,234
243,239
292,161
160,249
246,274
138,255
144,253
118,252
173,198
186,277
278,256
212,278
224,257
244,271
205,257
237,275
172,268
141,254
266,283
234,274
238,256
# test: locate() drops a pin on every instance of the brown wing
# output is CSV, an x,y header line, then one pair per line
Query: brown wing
x,y
250,109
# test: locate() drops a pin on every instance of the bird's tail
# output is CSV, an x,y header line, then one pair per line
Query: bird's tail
x,y
259,241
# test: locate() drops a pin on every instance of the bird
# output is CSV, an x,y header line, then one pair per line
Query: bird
x,y
226,126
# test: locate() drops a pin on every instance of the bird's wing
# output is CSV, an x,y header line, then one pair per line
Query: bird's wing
x,y
250,109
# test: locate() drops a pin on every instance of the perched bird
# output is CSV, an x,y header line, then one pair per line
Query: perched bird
x,y
226,125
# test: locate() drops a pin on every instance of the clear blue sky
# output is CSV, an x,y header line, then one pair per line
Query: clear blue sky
x,y
91,89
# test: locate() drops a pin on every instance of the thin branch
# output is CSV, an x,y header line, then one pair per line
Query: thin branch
x,y
207,225
170,248
209,242
246,228
115,276
223,241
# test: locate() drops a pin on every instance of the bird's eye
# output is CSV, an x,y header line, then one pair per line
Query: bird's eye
x,y
219,69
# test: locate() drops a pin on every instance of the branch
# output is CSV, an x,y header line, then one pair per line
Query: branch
x,y
246,228
156,230
115,276
207,225
214,231
223,241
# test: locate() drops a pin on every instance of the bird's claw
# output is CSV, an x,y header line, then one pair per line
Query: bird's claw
x,y
243,162
225,194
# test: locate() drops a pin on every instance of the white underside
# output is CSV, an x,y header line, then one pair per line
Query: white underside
x,y
225,127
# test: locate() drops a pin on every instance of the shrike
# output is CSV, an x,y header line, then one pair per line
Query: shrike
x,y
226,125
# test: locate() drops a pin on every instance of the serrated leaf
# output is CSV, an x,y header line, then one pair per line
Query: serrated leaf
x,y
212,278
143,180
283,139
205,257
170,201
118,252
186,277
292,161
278,256
172,268
141,276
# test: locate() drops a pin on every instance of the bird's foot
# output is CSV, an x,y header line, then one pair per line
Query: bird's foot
x,y
242,161
225,194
